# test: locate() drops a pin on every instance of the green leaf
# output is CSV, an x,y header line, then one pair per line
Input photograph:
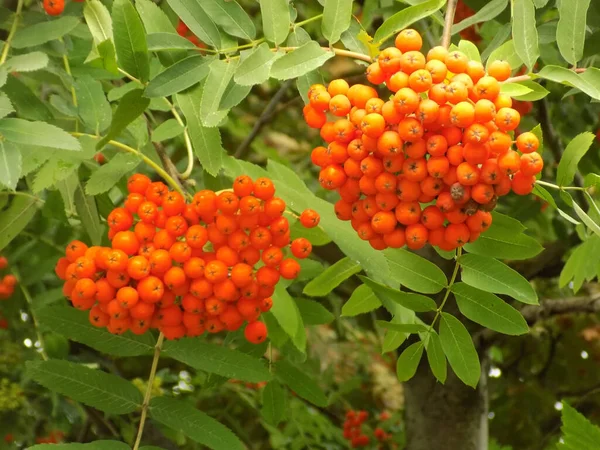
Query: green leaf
x,y
592,179
582,264
504,242
309,56
193,15
28,62
181,416
131,106
536,91
524,31
92,105
362,300
22,131
336,19
350,38
469,49
488,310
415,272
40,33
3,76
14,219
585,218
459,349
100,390
87,211
570,32
274,403
404,18
219,75
408,361
62,106
297,38
255,68
332,277
506,52
286,312
206,141
414,302
103,179
130,40
489,11
75,325
168,41
234,94
514,89
410,328
179,76
313,313
567,165
156,21
95,445
167,130
25,101
300,383
578,432
99,21
494,276
231,17
275,19
585,82
10,164
436,357
217,359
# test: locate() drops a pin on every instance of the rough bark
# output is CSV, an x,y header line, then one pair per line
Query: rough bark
x,y
446,417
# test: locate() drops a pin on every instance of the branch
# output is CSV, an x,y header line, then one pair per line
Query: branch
x,y
553,307
169,166
447,35
242,150
546,309
148,395
12,32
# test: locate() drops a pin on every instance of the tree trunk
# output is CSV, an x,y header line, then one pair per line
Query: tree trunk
x,y
446,417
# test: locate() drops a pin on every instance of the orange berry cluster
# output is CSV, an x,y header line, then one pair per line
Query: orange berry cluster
x,y
428,164
54,437
186,268
353,429
8,282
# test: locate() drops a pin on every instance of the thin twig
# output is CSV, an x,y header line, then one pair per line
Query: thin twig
x,y
36,324
168,178
12,32
529,77
148,395
447,35
188,142
243,149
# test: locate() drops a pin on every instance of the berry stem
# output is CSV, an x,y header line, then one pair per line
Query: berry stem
x,y
148,394
448,288
36,324
561,188
304,22
447,34
143,157
186,136
533,76
12,32
68,70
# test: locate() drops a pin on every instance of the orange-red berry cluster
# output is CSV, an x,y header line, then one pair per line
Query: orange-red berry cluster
x,y
428,164
7,282
354,432
186,268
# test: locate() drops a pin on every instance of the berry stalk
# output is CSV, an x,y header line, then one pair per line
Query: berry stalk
x,y
148,394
